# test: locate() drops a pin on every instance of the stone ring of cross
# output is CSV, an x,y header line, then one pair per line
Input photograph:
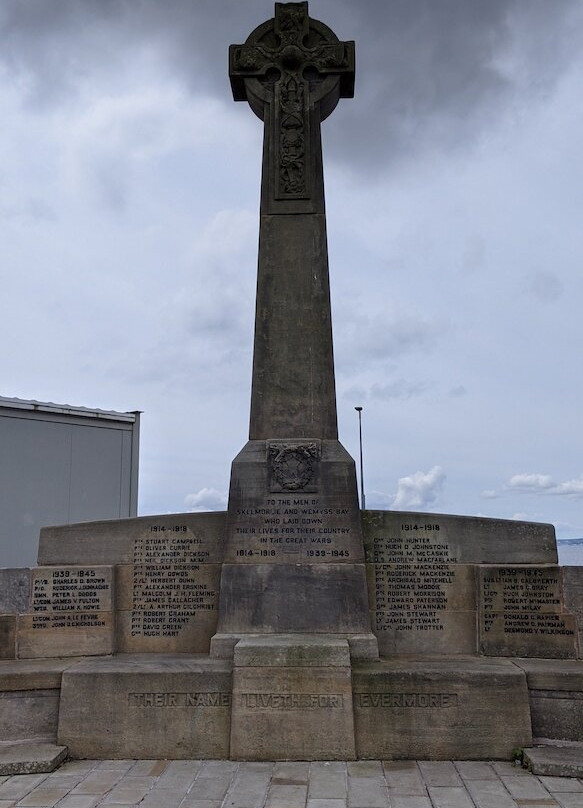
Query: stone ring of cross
x,y
289,48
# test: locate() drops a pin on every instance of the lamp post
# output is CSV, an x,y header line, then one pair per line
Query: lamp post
x,y
362,500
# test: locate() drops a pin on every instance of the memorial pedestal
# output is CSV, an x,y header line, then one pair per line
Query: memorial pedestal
x,y
292,699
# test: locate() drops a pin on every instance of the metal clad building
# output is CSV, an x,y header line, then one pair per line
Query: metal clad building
x,y
61,464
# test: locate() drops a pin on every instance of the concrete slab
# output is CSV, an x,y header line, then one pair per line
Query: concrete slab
x,y
555,761
34,758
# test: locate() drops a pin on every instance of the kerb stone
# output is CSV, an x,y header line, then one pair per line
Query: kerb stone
x,y
31,758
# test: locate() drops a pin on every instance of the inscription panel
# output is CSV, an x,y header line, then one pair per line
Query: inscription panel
x,y
71,589
113,541
522,613
168,597
439,709
422,607
293,502
70,613
295,529
292,713
407,537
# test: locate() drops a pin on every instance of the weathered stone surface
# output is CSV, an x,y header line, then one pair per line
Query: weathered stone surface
x,y
29,714
317,523
330,598
14,590
573,594
521,613
33,674
167,607
61,635
440,709
291,651
362,647
556,697
71,613
7,636
146,706
292,497
301,712
553,761
552,674
399,537
71,589
423,607
120,541
33,758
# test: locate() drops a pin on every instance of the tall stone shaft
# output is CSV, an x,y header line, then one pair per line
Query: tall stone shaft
x,y
294,559
292,70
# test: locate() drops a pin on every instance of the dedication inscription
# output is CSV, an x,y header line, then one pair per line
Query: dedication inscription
x,y
522,614
295,517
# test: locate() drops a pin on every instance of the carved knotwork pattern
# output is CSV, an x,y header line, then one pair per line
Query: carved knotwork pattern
x,y
292,19
292,137
290,58
293,466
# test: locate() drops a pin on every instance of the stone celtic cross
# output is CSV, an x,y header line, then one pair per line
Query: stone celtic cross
x,y
292,70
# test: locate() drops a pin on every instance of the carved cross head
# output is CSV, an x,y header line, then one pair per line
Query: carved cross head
x,y
292,70
292,42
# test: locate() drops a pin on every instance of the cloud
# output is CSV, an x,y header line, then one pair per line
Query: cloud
x,y
207,499
544,484
419,490
398,389
531,482
384,335
544,286
489,493
430,75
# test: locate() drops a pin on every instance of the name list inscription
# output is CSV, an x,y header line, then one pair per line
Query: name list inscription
x,y
522,600
171,584
411,597
70,597
410,574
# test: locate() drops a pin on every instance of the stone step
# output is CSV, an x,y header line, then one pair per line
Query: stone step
x,y
555,761
31,758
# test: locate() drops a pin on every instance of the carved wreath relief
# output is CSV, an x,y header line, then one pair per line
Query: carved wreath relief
x,y
289,60
293,467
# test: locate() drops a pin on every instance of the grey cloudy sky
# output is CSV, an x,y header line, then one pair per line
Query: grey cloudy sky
x,y
129,192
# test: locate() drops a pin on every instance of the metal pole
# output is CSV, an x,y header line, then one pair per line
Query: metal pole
x,y
362,500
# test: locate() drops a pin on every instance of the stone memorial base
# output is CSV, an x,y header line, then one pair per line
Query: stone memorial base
x,y
292,699
462,610
146,706
440,708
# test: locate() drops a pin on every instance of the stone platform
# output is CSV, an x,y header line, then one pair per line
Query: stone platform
x,y
306,697
226,784
463,612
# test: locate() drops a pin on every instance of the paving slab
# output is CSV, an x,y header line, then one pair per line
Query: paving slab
x,y
31,758
338,784
555,761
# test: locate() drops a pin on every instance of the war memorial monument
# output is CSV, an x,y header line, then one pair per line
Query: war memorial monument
x,y
294,625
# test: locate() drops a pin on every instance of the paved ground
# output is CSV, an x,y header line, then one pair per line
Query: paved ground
x,y
222,784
